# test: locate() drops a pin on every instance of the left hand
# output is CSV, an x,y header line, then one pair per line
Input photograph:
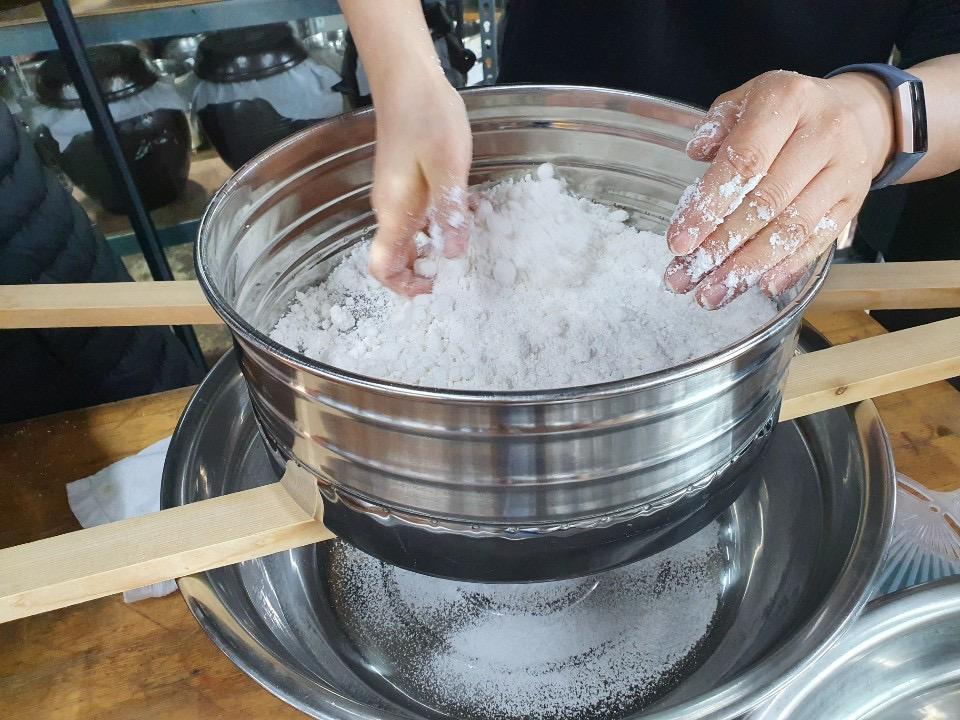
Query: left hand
x,y
792,159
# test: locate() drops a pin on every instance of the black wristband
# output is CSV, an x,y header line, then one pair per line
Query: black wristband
x,y
910,117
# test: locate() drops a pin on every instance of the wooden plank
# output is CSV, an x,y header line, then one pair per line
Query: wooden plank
x,y
93,563
872,367
173,302
182,302
33,13
40,456
923,423
891,286
106,659
114,661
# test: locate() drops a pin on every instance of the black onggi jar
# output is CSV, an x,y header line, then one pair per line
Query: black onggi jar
x,y
155,143
242,129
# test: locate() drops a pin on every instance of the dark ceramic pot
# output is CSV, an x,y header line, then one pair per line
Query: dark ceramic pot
x,y
242,129
156,144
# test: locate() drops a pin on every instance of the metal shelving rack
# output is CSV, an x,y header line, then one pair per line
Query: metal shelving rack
x,y
24,33
29,30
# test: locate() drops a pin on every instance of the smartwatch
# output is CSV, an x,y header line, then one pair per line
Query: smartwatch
x,y
910,117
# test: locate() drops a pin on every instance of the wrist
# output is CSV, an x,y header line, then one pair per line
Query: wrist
x,y
396,58
411,69
870,101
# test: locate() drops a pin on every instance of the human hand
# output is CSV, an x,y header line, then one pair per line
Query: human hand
x,y
792,159
424,148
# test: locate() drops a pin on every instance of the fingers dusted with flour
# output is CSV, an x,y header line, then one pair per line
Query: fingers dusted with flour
x,y
799,149
420,179
423,142
446,172
715,126
740,163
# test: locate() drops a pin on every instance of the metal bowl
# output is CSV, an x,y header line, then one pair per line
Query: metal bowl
x,y
899,661
796,556
491,485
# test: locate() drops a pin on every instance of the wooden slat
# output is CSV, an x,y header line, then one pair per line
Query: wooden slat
x,y
87,564
181,302
891,286
175,302
869,368
33,13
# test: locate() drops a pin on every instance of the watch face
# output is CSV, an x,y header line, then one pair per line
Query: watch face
x,y
911,116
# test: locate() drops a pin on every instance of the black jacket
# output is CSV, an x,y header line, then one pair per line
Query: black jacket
x,y
45,237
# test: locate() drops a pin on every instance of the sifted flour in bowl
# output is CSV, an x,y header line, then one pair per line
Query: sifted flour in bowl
x,y
555,291
603,646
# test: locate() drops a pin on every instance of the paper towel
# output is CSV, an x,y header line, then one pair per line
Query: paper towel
x,y
128,488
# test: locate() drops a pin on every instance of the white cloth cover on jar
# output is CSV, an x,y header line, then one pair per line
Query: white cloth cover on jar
x,y
304,92
64,124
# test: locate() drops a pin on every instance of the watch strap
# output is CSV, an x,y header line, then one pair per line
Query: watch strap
x,y
911,119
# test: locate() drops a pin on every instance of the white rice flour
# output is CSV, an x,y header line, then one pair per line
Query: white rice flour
x,y
555,291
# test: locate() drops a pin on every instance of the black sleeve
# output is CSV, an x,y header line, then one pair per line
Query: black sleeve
x,y
931,29
45,237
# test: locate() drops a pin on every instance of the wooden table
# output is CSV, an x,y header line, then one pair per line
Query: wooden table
x,y
111,661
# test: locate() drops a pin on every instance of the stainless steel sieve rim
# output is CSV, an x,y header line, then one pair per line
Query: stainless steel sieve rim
x,y
511,531
576,393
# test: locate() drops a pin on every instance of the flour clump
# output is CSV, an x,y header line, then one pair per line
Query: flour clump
x,y
555,291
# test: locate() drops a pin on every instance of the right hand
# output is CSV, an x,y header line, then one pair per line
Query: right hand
x,y
423,154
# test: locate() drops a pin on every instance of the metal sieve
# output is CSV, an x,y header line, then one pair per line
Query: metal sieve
x,y
795,562
494,486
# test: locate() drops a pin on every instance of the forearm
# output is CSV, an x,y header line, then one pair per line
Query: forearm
x,y
392,38
423,141
941,89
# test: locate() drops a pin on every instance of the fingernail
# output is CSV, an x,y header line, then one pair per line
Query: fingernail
x,y
672,234
454,243
780,283
774,287
712,296
676,277
695,148
685,241
411,286
703,149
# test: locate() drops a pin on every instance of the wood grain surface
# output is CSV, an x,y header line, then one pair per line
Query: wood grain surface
x,y
33,13
182,302
109,661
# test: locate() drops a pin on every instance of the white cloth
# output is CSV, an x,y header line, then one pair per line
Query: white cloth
x,y
128,488
65,124
304,92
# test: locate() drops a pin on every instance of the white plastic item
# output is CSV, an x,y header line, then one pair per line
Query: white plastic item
x,y
925,544
304,92
66,124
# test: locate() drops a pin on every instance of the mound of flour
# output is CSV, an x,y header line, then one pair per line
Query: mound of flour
x,y
555,291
